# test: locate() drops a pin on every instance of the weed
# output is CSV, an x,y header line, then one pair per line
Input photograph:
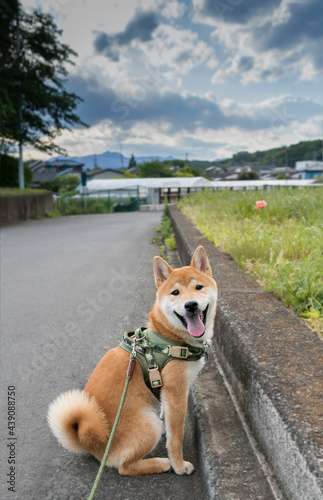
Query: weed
x,y
279,245
165,235
53,213
170,242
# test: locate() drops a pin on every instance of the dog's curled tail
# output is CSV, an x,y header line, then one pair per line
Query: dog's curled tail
x,y
78,421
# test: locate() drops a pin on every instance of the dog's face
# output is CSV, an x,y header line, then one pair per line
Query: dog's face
x,y
187,297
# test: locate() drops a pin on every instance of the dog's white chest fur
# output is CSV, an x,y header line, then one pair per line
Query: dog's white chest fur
x,y
193,369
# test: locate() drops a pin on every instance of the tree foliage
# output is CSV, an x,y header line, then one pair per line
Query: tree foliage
x,y
132,162
34,105
154,168
250,175
9,172
62,183
304,150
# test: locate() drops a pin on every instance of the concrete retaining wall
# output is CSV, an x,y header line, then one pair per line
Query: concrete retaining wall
x,y
25,206
274,362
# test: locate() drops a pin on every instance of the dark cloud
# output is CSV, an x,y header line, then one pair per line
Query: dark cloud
x,y
182,113
140,28
238,11
303,26
296,39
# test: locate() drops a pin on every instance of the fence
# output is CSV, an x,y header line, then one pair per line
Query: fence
x,y
94,202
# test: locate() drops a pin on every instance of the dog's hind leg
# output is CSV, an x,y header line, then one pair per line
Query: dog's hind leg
x,y
147,466
139,440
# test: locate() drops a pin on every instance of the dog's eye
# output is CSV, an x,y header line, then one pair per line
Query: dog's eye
x,y
175,292
199,287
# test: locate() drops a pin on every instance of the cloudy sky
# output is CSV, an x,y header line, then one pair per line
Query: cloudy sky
x,y
206,78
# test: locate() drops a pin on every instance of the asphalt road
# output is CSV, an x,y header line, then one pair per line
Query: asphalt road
x,y
69,288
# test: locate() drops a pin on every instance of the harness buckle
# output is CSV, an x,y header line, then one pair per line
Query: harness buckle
x,y
177,351
155,377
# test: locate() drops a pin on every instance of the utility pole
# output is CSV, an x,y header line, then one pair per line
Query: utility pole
x,y
19,110
186,154
273,160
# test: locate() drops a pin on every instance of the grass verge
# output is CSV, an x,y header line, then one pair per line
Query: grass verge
x,y
280,245
166,237
17,191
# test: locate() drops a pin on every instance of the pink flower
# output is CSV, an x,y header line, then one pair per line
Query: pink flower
x,y
260,204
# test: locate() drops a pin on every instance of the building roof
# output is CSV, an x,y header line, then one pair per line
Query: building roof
x,y
160,182
67,171
318,167
260,183
96,171
62,162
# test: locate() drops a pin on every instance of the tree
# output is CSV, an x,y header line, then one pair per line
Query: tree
x,y
35,106
9,172
179,163
62,183
189,171
182,173
132,162
250,175
154,169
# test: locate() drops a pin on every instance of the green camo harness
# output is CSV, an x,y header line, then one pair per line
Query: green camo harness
x,y
153,352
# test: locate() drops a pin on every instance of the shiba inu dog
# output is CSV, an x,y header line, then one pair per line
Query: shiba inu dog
x,y
183,315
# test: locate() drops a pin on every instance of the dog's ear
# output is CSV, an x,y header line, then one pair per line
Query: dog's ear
x,y
200,261
161,271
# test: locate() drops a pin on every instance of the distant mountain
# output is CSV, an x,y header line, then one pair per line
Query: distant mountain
x,y
113,160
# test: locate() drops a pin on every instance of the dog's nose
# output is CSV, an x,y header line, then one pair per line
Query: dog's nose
x,y
191,306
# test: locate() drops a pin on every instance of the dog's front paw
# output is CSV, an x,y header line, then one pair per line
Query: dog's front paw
x,y
186,468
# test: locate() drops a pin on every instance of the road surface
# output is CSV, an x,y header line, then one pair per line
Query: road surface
x,y
70,286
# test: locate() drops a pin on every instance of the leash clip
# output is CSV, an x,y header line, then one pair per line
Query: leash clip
x,y
135,341
134,352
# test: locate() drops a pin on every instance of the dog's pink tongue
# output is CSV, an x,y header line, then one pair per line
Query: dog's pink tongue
x,y
195,326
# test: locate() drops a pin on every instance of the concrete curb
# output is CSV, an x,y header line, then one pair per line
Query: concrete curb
x,y
274,364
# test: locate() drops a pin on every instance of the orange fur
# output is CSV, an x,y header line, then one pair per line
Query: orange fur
x,y
82,420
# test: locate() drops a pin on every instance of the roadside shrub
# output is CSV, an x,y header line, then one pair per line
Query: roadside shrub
x,y
165,231
170,242
64,183
97,206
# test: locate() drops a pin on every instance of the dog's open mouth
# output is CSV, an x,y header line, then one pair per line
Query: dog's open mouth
x,y
194,323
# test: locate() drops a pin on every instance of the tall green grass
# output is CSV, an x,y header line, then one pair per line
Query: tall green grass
x,y
281,245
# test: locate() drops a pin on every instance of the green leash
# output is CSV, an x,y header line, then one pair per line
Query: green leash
x,y
131,367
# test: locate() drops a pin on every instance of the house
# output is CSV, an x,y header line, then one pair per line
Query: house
x,y
104,173
311,172
303,165
286,171
216,172
44,171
